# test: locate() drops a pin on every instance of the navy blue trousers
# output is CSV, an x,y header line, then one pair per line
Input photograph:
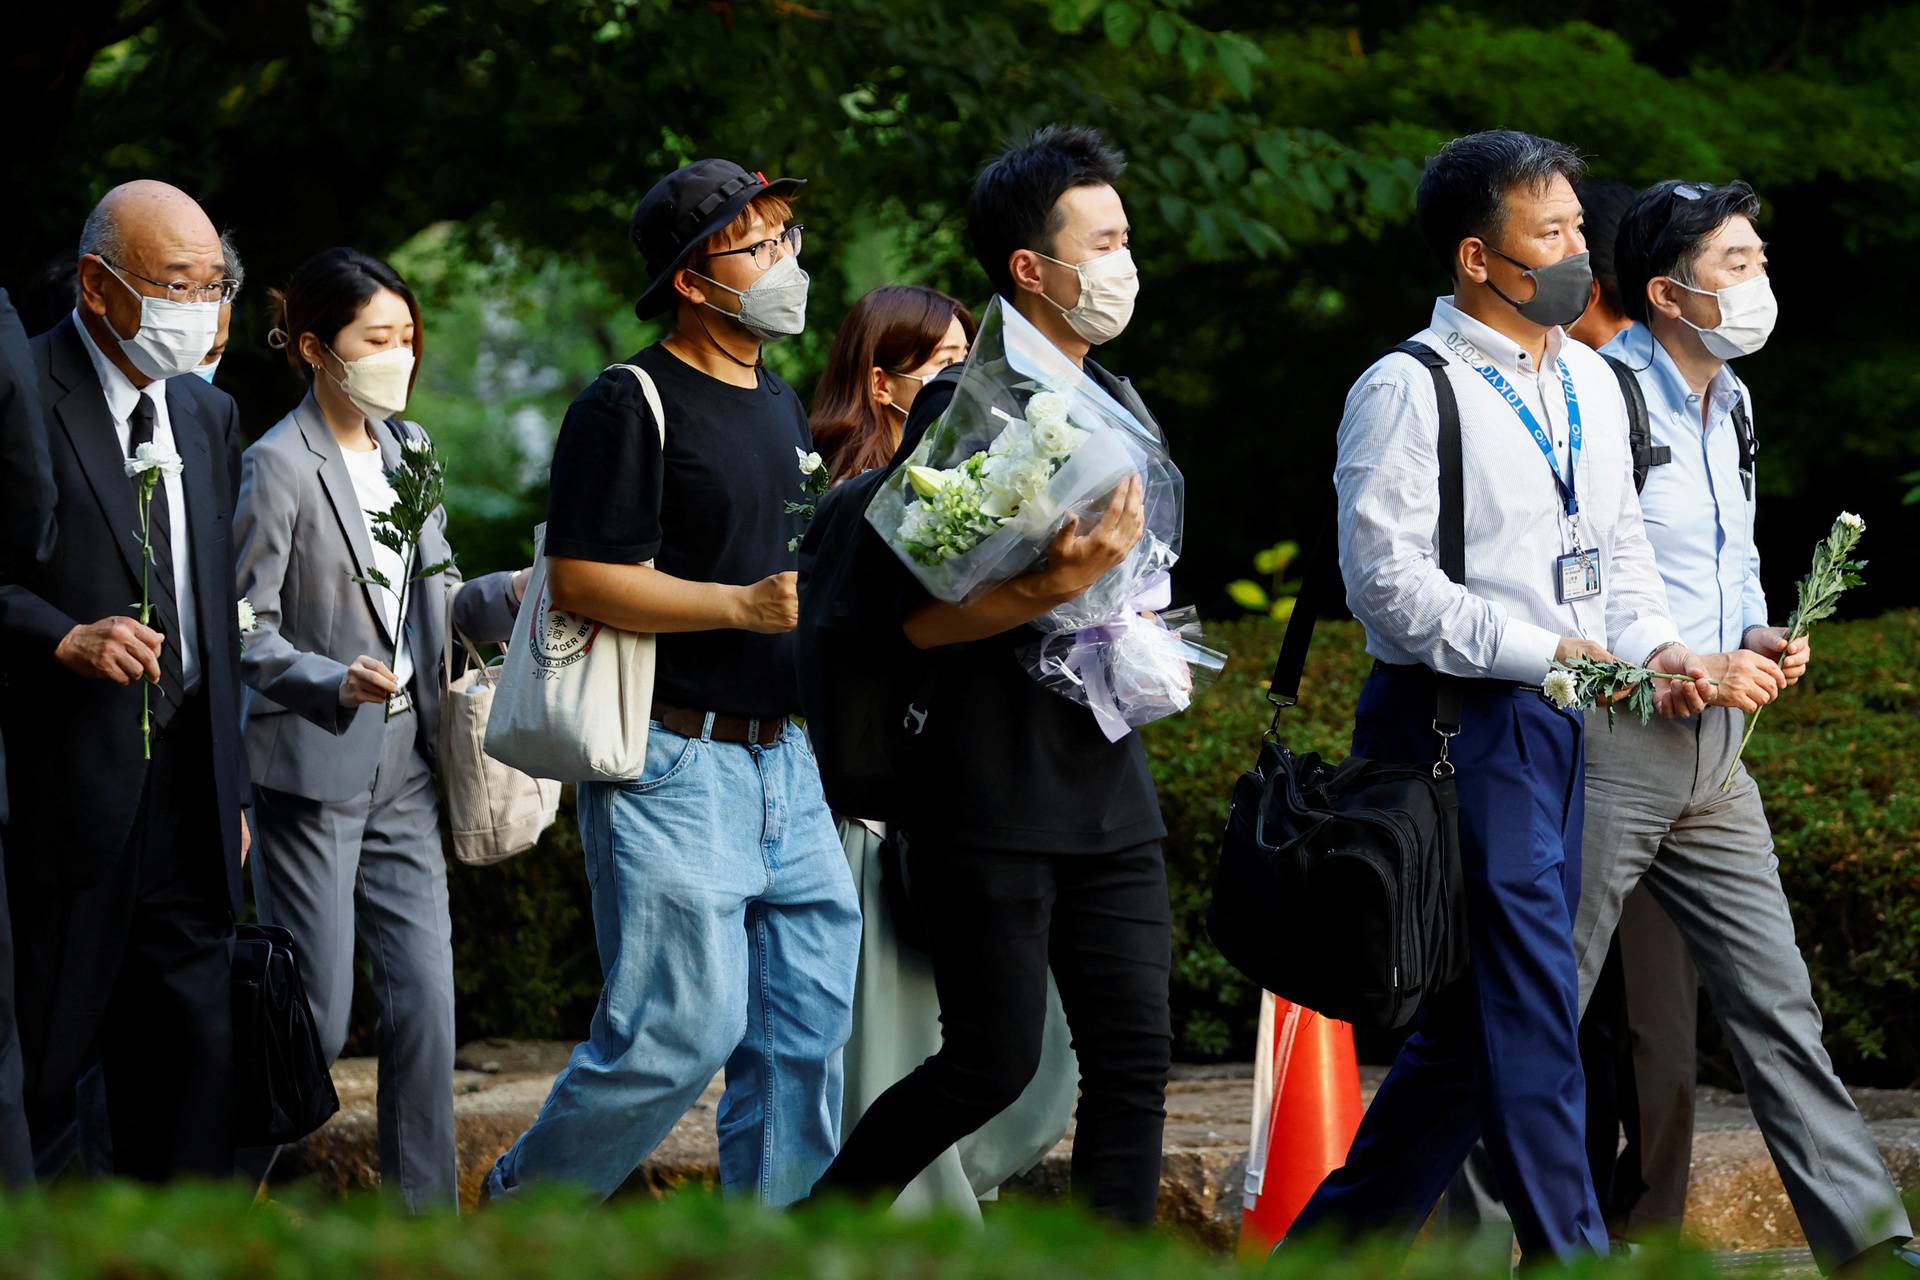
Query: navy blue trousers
x,y
1496,1056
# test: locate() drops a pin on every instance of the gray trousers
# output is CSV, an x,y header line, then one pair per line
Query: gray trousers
x,y
374,865
1656,816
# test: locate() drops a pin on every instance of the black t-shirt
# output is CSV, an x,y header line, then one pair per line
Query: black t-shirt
x,y
1007,765
713,511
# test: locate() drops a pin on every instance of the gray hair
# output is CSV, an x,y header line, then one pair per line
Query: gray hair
x,y
235,272
100,235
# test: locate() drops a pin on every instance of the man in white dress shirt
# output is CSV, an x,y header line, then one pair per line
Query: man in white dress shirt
x,y
1557,567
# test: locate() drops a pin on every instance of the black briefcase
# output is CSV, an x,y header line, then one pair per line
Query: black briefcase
x,y
1339,886
282,1088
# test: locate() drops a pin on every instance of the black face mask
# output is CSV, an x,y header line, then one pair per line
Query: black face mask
x,y
1561,290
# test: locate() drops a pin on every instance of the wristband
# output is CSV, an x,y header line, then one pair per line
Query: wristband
x,y
1660,649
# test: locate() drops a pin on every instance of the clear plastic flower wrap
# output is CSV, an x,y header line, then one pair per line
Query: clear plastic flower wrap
x,y
1137,668
1028,440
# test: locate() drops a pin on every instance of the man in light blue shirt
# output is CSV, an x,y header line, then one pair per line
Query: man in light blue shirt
x,y
1693,277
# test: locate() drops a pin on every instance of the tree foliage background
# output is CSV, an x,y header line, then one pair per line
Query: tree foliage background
x,y
495,148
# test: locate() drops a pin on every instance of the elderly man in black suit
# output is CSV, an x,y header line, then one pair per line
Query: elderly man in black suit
x,y
26,540
124,855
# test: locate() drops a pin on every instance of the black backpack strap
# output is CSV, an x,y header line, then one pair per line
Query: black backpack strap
x,y
1646,455
1450,547
1743,424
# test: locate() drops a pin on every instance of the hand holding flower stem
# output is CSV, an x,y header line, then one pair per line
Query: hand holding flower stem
x,y
419,487
149,463
1834,570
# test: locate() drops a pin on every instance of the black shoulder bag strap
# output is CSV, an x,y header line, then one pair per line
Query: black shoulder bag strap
x,y
1450,545
1646,455
1743,424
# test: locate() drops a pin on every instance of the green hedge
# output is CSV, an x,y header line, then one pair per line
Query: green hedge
x,y
1836,759
125,1233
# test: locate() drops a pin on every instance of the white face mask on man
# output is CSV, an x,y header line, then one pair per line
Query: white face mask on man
x,y
376,384
1109,285
1748,311
173,337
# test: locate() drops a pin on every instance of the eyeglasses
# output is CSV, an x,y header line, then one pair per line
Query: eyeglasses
x,y
221,290
767,252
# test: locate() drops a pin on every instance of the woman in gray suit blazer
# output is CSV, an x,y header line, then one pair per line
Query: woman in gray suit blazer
x,y
346,827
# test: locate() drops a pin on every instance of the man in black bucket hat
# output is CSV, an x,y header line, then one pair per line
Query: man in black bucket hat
x,y
723,908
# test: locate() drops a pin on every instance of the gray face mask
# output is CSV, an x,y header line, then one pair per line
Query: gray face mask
x,y
1561,290
772,307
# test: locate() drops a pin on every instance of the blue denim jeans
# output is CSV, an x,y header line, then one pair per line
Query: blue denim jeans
x,y
729,935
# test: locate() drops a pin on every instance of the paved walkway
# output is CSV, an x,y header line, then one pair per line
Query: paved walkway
x,y
1737,1203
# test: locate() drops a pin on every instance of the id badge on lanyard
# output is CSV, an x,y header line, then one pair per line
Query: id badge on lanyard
x,y
1576,575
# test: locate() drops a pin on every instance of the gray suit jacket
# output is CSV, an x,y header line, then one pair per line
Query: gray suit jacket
x,y
301,541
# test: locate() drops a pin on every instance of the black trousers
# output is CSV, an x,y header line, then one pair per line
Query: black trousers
x,y
995,923
16,1149
133,971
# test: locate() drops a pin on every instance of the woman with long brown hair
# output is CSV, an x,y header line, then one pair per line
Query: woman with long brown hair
x,y
895,340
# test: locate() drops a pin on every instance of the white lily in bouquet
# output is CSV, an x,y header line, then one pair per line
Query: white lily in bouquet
x,y
1029,441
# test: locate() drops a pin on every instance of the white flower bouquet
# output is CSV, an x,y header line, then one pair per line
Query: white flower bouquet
x,y
1028,441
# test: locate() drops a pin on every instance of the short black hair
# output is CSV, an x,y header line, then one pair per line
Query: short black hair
x,y
1604,204
1012,205
1662,233
1463,193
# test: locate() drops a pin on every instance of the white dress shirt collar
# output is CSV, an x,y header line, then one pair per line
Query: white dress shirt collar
x,y
1644,354
119,390
1506,355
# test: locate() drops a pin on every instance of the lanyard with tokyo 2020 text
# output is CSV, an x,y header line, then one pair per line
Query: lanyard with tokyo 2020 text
x,y
1576,574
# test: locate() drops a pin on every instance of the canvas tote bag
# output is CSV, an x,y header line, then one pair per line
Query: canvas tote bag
x,y
573,700
494,810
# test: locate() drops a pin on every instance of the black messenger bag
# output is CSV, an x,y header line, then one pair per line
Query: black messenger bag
x,y
1339,885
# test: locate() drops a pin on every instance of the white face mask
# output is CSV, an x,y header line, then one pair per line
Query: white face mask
x,y
377,384
1747,314
1108,286
173,337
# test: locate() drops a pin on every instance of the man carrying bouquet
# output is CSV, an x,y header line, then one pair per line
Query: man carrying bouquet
x,y
1693,276
1549,508
1033,840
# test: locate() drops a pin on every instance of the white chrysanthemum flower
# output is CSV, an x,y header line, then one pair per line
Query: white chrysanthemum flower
x,y
1047,408
1853,522
249,620
416,444
809,462
1562,690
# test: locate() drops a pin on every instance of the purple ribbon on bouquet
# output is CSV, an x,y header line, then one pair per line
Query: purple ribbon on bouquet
x,y
1081,662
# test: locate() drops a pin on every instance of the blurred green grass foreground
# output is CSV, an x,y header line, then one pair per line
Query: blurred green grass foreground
x,y
202,1233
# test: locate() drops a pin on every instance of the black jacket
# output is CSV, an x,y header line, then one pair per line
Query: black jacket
x,y
77,764
26,477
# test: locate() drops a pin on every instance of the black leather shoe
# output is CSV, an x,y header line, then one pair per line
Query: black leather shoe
x,y
1888,1258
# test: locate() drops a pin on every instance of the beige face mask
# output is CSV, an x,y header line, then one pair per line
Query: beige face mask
x,y
1109,285
377,384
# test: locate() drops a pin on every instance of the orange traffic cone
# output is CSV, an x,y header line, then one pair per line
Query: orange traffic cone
x,y
1306,1107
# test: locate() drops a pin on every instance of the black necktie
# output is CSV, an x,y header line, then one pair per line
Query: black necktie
x,y
160,588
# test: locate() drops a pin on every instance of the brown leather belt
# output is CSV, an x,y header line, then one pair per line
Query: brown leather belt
x,y
741,729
